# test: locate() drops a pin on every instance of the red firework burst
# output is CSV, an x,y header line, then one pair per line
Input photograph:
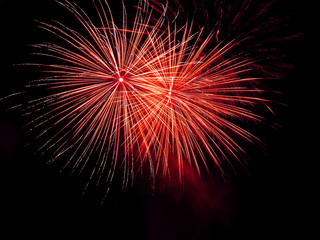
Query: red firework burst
x,y
148,94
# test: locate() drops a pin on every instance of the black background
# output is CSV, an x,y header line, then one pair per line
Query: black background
x,y
37,200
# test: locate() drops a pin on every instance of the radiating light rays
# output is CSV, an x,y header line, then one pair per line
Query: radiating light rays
x,y
147,94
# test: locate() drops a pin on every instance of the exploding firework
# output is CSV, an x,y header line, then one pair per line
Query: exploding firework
x,y
147,94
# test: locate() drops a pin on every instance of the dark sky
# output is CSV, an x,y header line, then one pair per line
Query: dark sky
x,y
37,200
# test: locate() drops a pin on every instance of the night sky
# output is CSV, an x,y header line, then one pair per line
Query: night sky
x,y
37,200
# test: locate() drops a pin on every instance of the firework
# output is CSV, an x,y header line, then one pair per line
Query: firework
x,y
148,94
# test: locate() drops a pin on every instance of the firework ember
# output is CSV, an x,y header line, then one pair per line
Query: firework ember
x,y
143,95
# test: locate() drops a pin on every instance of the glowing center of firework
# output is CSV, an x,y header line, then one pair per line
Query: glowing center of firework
x,y
121,79
169,93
